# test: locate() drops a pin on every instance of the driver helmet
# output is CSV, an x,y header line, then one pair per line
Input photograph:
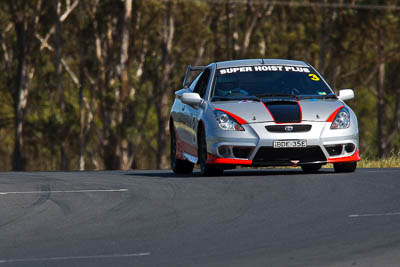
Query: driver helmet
x,y
225,85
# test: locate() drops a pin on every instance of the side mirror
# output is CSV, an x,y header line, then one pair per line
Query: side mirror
x,y
346,94
191,99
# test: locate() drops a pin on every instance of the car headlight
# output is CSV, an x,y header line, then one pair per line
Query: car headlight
x,y
226,122
342,119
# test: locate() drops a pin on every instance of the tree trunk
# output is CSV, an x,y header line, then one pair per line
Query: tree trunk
x,y
25,27
255,17
380,91
63,132
380,109
123,143
20,93
162,106
20,97
322,48
228,33
82,130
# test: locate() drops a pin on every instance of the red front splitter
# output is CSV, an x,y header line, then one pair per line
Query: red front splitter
x,y
354,157
211,159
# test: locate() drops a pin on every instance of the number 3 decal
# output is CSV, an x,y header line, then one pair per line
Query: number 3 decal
x,y
313,77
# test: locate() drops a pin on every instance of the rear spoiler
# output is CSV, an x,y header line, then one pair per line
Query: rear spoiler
x,y
188,70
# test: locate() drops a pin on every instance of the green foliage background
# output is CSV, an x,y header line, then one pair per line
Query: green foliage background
x,y
87,126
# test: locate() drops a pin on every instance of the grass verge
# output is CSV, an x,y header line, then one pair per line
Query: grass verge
x,y
393,161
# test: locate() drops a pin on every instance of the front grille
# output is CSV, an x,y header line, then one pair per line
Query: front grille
x,y
269,156
241,152
284,128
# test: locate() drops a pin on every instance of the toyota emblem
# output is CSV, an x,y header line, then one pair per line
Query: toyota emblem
x,y
288,128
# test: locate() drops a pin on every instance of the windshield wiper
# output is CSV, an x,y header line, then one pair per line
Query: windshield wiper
x,y
234,98
330,96
277,95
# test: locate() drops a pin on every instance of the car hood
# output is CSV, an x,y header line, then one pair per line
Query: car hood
x,y
281,110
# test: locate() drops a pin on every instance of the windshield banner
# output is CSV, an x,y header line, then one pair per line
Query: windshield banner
x,y
264,68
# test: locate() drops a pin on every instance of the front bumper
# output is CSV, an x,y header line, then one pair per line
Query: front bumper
x,y
254,146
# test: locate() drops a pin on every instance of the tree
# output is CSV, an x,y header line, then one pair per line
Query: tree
x,y
88,84
25,19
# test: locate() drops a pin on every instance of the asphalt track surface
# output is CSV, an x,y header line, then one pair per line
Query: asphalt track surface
x,y
245,218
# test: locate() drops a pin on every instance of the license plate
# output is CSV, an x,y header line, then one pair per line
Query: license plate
x,y
290,143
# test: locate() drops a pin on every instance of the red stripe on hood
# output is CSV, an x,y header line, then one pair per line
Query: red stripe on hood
x,y
237,118
301,111
268,111
333,115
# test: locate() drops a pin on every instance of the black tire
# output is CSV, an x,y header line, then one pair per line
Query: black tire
x,y
345,166
206,169
179,166
311,167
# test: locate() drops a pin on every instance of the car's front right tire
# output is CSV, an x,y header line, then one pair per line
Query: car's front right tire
x,y
206,169
311,167
179,166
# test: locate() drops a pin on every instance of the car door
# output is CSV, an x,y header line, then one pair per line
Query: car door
x,y
194,112
183,119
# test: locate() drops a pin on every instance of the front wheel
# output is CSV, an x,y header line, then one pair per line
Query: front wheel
x,y
179,166
345,166
206,169
311,167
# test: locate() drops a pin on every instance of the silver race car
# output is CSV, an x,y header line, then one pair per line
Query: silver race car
x,y
261,112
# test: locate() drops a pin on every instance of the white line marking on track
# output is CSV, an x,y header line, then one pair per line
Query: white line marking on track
x,y
374,214
78,257
66,191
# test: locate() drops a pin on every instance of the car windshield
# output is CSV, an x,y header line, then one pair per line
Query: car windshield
x,y
269,81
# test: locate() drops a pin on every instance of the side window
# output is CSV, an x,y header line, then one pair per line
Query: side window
x,y
193,84
201,86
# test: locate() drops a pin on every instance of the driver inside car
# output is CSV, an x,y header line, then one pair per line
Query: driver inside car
x,y
229,88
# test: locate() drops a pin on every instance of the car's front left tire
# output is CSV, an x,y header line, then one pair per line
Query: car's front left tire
x,y
179,166
345,166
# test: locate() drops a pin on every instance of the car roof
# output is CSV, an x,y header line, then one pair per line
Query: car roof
x,y
251,62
